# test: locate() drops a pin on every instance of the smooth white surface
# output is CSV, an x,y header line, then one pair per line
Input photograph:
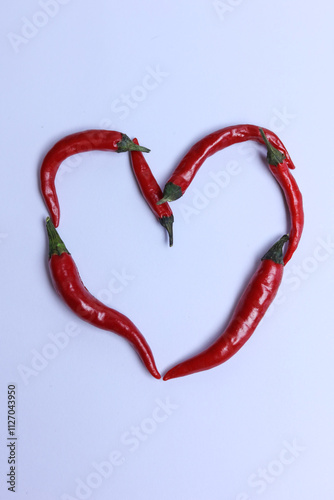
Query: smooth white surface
x,y
213,64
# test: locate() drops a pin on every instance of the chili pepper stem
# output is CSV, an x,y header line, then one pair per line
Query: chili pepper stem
x,y
275,253
56,244
167,223
127,145
171,192
274,156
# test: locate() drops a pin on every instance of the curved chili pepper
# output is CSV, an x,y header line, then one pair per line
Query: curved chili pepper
x,y
212,143
279,167
67,282
89,140
254,302
152,191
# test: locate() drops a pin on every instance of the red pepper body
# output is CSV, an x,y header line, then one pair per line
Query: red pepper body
x,y
151,191
254,302
212,143
68,284
81,142
294,201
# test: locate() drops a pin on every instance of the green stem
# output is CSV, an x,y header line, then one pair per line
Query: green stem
x,y
167,223
127,145
171,192
56,244
274,156
275,253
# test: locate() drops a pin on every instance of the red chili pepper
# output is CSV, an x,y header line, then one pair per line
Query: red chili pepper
x,y
90,140
250,309
68,284
279,167
212,143
152,191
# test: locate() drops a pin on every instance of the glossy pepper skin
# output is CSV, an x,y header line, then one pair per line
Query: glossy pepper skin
x,y
151,191
67,282
81,142
212,143
251,307
279,167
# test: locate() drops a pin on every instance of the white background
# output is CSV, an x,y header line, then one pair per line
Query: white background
x,y
226,434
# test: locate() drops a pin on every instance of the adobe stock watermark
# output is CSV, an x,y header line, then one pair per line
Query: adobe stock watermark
x,y
31,27
41,359
220,180
69,165
280,119
201,198
296,274
3,237
72,162
263,477
226,7
117,283
152,79
130,442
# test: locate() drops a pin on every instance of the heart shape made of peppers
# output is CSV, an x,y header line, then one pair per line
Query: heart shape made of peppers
x,y
258,294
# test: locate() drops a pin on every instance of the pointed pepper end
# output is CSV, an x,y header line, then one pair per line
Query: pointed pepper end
x,y
174,372
154,371
167,376
156,375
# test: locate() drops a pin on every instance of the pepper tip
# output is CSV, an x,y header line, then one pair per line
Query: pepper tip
x,y
169,375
